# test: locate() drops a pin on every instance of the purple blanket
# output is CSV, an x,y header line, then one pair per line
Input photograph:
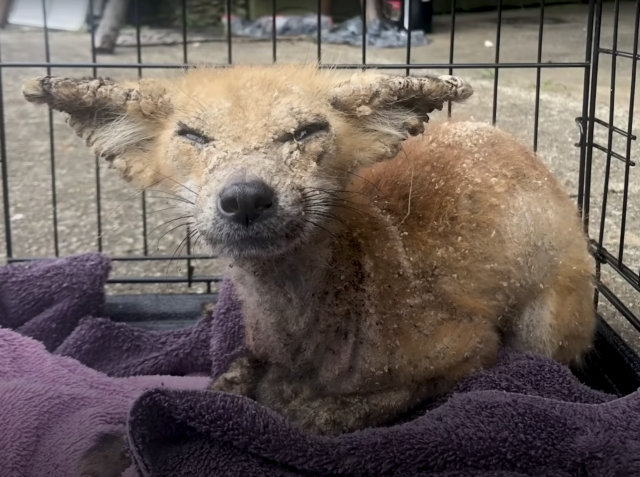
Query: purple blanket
x,y
527,416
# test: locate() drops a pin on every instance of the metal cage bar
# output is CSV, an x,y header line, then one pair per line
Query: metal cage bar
x,y
605,258
588,122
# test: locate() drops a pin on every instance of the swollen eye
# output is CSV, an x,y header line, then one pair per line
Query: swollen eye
x,y
195,138
192,135
309,130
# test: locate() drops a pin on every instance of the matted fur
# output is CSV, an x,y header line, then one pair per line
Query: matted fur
x,y
376,283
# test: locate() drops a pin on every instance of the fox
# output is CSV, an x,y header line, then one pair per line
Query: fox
x,y
378,257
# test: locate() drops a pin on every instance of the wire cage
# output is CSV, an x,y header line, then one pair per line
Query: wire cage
x,y
563,78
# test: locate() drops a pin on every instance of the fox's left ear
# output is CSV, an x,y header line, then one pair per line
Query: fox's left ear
x,y
395,106
118,122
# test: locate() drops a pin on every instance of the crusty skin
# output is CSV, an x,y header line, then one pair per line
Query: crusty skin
x,y
396,262
413,295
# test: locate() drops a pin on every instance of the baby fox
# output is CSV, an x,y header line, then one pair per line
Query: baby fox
x,y
376,265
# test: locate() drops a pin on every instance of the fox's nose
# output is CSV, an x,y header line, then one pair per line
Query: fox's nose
x,y
246,202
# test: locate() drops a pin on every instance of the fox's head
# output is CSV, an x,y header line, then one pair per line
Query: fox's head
x,y
255,152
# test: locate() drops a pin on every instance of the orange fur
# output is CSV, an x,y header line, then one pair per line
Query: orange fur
x,y
393,265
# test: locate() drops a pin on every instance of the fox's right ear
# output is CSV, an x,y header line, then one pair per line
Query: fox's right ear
x,y
387,109
117,122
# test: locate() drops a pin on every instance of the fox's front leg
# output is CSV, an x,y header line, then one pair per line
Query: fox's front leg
x,y
241,377
317,413
107,457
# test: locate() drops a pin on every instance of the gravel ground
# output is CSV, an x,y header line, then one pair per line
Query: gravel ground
x,y
29,160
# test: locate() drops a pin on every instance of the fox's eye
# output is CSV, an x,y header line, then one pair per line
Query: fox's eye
x,y
192,135
310,130
195,138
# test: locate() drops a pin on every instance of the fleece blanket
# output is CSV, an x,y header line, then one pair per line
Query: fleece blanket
x,y
67,373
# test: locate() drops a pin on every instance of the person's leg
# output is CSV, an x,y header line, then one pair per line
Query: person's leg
x,y
372,9
326,8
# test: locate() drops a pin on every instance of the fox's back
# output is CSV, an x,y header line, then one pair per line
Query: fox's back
x,y
478,215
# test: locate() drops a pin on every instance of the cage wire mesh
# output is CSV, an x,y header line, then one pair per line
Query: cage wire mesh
x,y
538,73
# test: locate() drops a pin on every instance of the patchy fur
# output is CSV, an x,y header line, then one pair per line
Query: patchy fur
x,y
373,284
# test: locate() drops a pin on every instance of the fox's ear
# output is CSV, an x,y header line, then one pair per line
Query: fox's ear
x,y
117,122
395,107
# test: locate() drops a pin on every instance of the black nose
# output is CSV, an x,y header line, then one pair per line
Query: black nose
x,y
246,202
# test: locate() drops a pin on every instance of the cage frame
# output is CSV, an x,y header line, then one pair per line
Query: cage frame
x,y
620,374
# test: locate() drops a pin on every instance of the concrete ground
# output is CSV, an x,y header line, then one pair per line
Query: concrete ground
x,y
564,39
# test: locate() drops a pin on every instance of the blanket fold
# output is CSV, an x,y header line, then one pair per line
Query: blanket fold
x,y
67,373
488,427
52,406
46,299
